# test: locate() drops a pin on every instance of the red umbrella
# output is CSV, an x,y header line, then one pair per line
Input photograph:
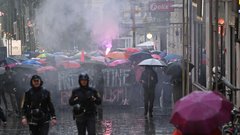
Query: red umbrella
x,y
132,50
201,112
117,55
46,68
69,64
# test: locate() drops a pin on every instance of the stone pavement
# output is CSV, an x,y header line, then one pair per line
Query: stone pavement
x,y
118,120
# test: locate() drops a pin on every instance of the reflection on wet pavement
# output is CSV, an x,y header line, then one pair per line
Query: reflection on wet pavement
x,y
116,121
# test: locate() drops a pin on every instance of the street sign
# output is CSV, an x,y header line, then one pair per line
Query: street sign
x,y
161,6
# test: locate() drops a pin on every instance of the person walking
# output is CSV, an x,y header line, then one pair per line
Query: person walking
x,y
3,92
149,80
84,100
9,88
3,117
38,110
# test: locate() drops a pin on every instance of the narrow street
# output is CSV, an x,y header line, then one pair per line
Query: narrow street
x,y
119,120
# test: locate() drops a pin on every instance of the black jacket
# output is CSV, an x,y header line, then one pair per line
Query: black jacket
x,y
38,99
149,78
85,99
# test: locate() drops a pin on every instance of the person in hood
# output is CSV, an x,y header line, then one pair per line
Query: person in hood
x,y
38,110
149,81
84,100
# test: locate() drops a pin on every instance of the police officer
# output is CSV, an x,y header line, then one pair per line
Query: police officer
x,y
37,108
84,100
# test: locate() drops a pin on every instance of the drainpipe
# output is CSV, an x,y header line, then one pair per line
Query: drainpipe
x,y
209,43
215,45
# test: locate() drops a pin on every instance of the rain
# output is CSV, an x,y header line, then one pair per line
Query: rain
x,y
145,58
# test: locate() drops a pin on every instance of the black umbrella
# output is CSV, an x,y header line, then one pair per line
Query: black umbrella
x,y
139,56
31,69
175,68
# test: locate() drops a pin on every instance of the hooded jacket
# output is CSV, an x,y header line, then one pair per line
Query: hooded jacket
x,y
38,98
85,100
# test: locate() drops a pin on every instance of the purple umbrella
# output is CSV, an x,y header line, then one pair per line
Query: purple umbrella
x,y
201,112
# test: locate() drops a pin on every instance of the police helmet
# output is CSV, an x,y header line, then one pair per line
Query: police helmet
x,y
36,77
83,76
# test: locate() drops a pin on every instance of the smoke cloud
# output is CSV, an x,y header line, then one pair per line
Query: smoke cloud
x,y
65,24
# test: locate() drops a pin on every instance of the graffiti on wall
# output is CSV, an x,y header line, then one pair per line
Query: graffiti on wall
x,y
115,84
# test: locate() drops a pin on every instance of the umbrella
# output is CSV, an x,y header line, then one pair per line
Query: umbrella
x,y
175,68
43,55
156,56
132,50
46,68
31,62
155,52
117,55
172,57
10,62
152,62
26,68
140,56
201,112
119,62
69,64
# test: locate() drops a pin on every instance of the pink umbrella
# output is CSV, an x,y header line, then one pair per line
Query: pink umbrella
x,y
156,56
201,112
118,62
42,61
46,68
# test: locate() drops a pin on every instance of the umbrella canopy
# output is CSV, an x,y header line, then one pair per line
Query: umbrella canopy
x,y
201,112
69,64
175,68
9,62
46,68
117,55
119,62
132,50
152,62
31,62
140,56
43,55
32,69
156,56
155,52
172,57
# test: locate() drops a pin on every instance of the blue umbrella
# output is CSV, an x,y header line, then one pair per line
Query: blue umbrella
x,y
31,62
170,57
163,54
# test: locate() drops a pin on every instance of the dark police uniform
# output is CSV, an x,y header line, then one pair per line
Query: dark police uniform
x,y
84,107
38,109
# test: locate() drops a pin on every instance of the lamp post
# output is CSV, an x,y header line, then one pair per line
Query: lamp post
x,y
132,4
221,33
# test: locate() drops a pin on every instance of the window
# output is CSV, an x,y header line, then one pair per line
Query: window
x,y
200,54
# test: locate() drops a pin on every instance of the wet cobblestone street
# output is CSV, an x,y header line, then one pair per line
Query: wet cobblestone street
x,y
116,121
